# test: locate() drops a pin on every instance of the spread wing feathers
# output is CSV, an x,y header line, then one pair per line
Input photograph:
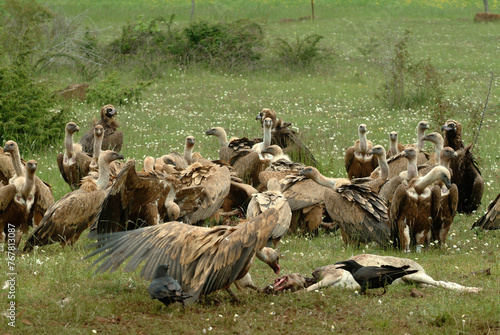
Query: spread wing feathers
x,y
217,182
447,210
189,199
491,219
301,191
292,145
134,199
67,218
201,259
360,213
264,201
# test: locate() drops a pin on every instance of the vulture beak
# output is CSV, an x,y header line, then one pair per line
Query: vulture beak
x,y
110,112
209,132
120,156
455,155
276,268
447,182
258,117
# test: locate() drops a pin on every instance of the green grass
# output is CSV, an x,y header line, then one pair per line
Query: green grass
x,y
325,103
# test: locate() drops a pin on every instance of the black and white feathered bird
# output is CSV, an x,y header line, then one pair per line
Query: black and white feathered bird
x,y
374,276
165,288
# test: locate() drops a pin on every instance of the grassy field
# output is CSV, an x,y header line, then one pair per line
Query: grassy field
x,y
57,293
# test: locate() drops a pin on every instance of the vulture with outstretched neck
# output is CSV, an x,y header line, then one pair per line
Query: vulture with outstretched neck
x,y
74,164
360,213
394,146
202,260
113,138
466,174
230,148
357,159
66,220
415,207
43,191
267,126
16,202
287,138
491,219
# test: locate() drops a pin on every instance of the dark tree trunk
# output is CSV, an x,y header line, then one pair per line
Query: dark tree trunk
x,y
486,6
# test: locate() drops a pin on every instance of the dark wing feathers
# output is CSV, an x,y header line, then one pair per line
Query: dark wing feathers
x,y
491,219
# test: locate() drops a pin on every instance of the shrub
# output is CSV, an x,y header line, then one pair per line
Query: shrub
x,y
111,90
301,52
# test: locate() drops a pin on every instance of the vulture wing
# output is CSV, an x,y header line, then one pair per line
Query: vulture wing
x,y
491,219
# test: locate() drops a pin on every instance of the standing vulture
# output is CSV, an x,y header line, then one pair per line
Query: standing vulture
x,y
287,138
466,174
491,219
202,260
358,162
74,164
415,207
66,220
229,148
43,191
360,213
266,139
16,202
113,138
394,146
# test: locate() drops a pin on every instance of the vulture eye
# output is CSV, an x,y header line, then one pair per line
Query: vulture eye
x,y
109,109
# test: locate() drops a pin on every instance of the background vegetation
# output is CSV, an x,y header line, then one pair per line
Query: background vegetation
x,y
387,64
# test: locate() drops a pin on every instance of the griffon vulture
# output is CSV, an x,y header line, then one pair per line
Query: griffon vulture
x,y
358,162
491,219
6,169
287,138
394,146
202,260
266,139
43,191
360,213
16,202
66,220
415,207
113,138
466,174
229,148
74,164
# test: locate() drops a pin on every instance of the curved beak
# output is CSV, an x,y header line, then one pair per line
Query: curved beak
x,y
209,132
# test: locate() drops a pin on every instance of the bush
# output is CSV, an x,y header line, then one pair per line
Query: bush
x,y
301,52
113,91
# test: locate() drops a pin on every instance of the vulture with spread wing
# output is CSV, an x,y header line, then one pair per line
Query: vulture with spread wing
x,y
202,260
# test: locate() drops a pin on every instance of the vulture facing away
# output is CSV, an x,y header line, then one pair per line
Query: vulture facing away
x,y
466,174
491,219
358,161
287,138
202,260
113,138
16,202
360,213
66,220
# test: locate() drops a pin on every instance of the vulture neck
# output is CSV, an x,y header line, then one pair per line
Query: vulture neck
x,y
420,136
394,148
266,140
439,148
102,182
445,162
412,169
384,167
68,143
222,137
16,162
188,153
423,182
29,184
363,142
97,148
323,181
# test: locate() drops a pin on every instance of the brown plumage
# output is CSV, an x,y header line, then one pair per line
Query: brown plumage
x,y
143,199
360,213
466,174
229,148
66,219
203,260
16,202
43,191
491,219
446,155
280,161
6,168
358,162
414,208
247,165
74,164
287,138
113,138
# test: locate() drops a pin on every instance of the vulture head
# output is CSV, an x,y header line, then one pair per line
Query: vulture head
x,y
268,123
393,136
448,154
108,156
435,138
422,126
271,257
216,131
72,128
410,153
31,166
266,113
108,112
452,126
98,130
362,129
378,150
441,173
10,146
274,150
190,141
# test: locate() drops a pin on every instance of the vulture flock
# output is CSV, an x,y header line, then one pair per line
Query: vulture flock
x,y
401,197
